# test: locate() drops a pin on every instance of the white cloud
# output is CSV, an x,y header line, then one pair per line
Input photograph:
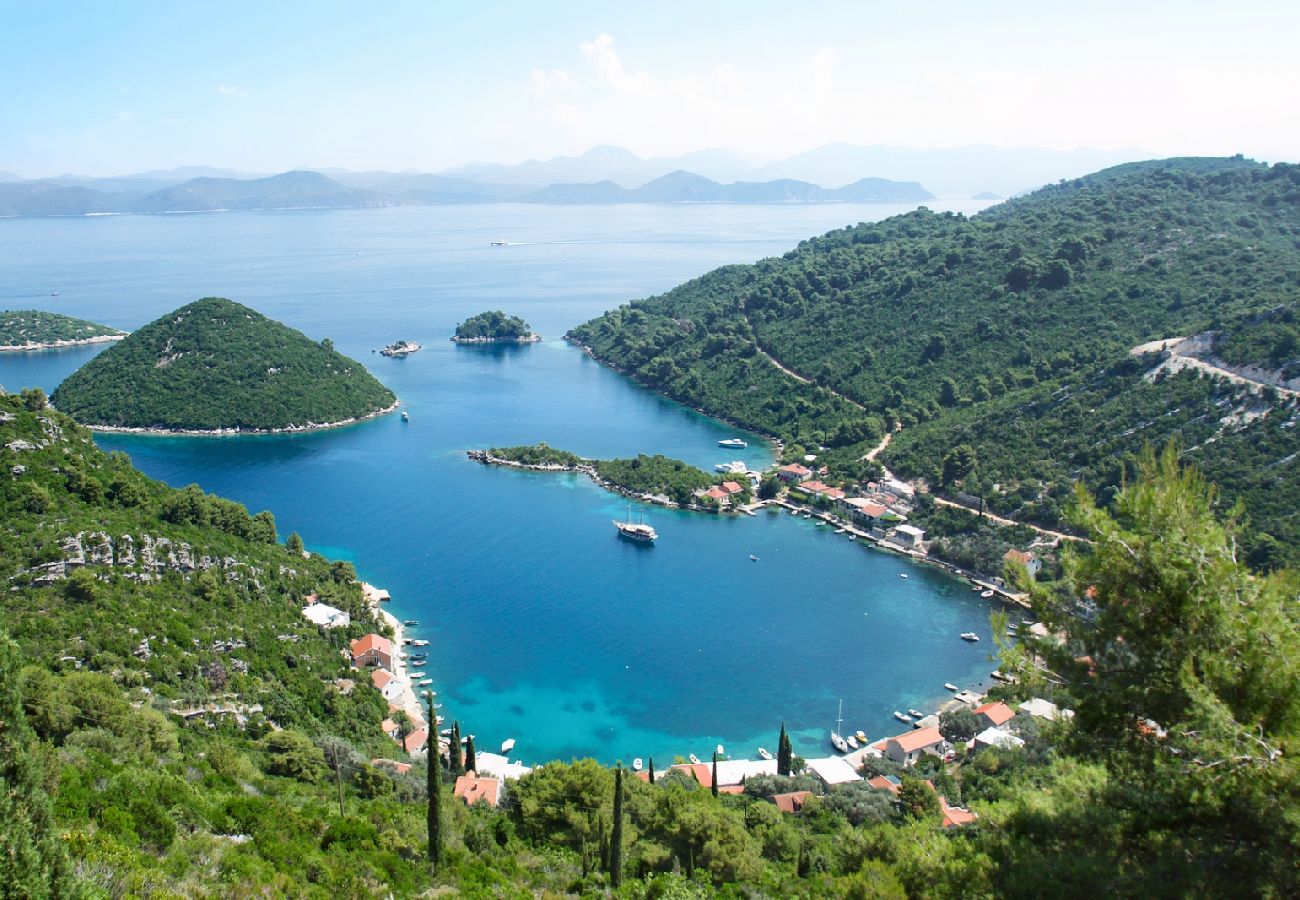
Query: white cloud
x,y
231,90
611,73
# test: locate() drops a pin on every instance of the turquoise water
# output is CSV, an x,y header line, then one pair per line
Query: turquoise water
x,y
546,627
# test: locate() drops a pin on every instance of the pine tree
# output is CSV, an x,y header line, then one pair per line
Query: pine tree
x,y
32,859
454,760
471,765
652,770
434,786
713,782
783,753
616,839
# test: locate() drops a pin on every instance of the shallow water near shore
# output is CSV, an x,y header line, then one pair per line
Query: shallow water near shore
x,y
546,627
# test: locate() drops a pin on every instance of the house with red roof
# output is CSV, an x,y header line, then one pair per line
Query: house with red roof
x,y
731,487
794,473
390,728
372,650
994,715
415,741
907,748
1024,558
792,802
472,789
817,489
955,816
886,783
392,765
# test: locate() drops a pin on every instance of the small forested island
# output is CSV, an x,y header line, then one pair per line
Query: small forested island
x,y
400,349
34,329
495,327
216,366
655,479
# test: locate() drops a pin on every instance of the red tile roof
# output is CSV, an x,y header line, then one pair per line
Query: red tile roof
x,y
955,816
716,493
731,789
473,789
796,469
380,679
881,783
997,713
415,740
400,768
731,487
703,772
372,642
917,739
791,802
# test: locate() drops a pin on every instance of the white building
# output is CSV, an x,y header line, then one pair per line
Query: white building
x,y
832,770
326,616
909,535
996,737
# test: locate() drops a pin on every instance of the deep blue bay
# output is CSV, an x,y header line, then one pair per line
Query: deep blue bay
x,y
546,627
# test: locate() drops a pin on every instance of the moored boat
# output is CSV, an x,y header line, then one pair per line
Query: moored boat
x,y
916,713
507,745
986,594
763,753
950,686
637,765
695,760
733,442
969,636
637,531
839,743
902,717
851,741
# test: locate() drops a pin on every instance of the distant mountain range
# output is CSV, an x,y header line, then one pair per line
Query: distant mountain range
x,y
601,175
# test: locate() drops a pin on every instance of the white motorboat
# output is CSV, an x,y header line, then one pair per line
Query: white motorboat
x,y
637,765
763,753
969,636
902,717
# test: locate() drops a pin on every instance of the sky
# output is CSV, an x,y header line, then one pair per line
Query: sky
x,y
115,86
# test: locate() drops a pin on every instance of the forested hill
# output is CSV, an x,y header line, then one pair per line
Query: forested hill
x,y
22,328
938,318
215,364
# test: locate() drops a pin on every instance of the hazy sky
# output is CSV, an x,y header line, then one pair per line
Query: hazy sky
x,y
112,87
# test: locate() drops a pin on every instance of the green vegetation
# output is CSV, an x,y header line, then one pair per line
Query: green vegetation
x,y
216,365
1001,342
494,326
173,726
21,327
657,475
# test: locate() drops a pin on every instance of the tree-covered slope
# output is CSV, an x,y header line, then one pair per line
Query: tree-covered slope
x,y
25,327
215,364
494,325
951,322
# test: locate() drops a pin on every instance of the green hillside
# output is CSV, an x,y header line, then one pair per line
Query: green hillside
x,y
170,725
215,364
21,327
494,325
1008,334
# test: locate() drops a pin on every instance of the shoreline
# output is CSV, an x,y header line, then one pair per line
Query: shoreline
x,y
533,338
60,345
408,699
235,432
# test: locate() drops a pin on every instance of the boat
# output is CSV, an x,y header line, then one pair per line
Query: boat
x,y
916,714
406,417
411,622
979,588
416,663
426,682
419,643
794,512
720,750
807,515
445,732
836,741
753,558
636,764
499,244
763,753
986,594
862,737
735,467
839,530
851,741
507,745
637,531
950,686
969,636
902,717
695,760
902,574
853,537
733,442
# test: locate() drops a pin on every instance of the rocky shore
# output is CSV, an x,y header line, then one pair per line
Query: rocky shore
x,y
56,345
226,432
526,339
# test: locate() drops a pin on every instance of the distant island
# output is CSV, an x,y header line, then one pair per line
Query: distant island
x,y
400,349
495,327
34,329
654,479
686,187
218,367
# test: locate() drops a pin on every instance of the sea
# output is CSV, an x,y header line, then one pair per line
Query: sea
x,y
544,626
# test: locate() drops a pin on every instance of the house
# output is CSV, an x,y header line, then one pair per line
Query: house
x,y
473,789
497,766
388,684
996,737
794,473
817,489
791,802
955,816
1045,709
889,783
716,494
994,715
391,765
323,615
390,728
909,535
907,748
868,512
1024,558
735,771
732,487
415,741
898,488
832,770
701,772
372,650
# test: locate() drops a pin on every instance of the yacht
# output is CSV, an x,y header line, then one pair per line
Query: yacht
x,y
950,686
753,558
695,760
735,467
851,741
637,765
733,442
406,417
411,622
763,753
507,745
836,741
969,636
902,717
637,531
916,714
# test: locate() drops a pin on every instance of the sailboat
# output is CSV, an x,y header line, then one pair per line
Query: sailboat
x,y
636,531
836,741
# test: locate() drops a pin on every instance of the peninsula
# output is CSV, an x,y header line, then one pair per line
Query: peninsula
x,y
495,327
34,329
218,367
653,479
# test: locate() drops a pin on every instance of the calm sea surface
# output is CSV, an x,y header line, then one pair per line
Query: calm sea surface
x,y
546,627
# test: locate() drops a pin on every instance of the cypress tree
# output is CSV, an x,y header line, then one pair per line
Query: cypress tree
x,y
652,770
470,764
454,761
616,839
713,783
783,753
434,787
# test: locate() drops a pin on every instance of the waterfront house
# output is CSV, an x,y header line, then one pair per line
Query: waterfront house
x,y
832,770
898,488
390,728
907,748
323,615
473,789
817,489
1045,709
792,802
732,487
372,650
497,766
794,473
910,536
388,684
716,494
996,737
1024,558
994,715
864,511
415,741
